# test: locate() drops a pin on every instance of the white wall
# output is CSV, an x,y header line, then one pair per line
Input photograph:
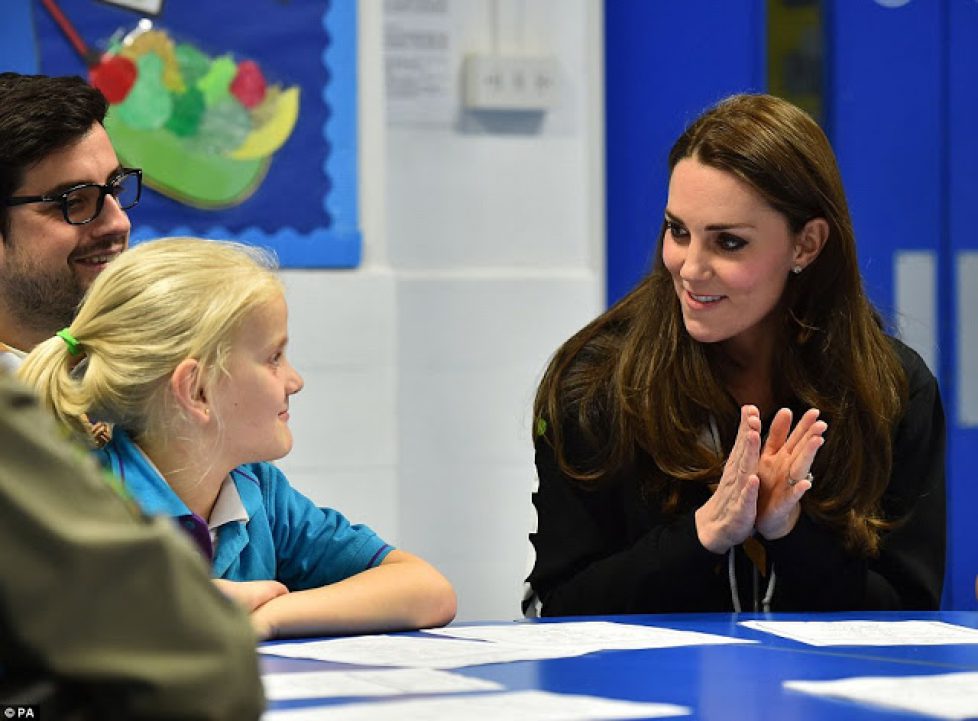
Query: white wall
x,y
483,250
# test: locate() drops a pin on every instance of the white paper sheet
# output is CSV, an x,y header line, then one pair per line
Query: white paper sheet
x,y
416,651
523,705
596,635
868,633
948,696
386,682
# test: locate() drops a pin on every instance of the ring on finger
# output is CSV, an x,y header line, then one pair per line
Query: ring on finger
x,y
809,477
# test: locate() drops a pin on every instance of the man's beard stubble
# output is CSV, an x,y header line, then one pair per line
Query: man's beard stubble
x,y
40,300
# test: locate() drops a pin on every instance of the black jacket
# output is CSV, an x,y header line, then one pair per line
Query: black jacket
x,y
609,551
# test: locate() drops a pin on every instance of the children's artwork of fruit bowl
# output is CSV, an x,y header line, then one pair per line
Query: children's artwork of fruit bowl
x,y
202,128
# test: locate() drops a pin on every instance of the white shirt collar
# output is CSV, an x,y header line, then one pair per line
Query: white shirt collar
x,y
228,506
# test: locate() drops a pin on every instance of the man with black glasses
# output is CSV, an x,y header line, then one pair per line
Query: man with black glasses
x,y
63,197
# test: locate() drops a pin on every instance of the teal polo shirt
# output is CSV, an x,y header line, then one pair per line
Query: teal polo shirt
x,y
286,537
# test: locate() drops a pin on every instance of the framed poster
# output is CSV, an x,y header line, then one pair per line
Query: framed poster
x,y
242,115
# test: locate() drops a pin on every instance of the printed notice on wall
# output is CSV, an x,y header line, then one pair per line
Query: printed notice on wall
x,y
421,65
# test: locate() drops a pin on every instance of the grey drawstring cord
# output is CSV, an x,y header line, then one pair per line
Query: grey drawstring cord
x,y
765,603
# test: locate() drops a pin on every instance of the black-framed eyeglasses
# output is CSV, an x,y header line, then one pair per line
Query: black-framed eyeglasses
x,y
83,203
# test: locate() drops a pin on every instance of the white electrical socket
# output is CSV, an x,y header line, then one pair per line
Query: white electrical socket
x,y
511,82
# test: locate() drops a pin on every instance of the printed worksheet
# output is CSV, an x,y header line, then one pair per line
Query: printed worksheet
x,y
947,696
868,633
385,682
596,635
523,705
416,651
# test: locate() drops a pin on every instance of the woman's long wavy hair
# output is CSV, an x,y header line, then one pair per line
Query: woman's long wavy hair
x,y
635,391
156,305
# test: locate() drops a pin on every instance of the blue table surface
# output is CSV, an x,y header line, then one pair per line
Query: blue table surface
x,y
728,682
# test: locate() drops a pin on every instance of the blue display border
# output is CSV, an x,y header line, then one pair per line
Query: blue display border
x,y
340,245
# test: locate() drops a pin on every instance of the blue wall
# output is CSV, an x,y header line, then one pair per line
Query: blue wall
x,y
959,316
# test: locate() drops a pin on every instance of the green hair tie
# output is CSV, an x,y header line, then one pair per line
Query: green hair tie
x,y
74,347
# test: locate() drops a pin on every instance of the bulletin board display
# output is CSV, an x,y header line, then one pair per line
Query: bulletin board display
x,y
242,115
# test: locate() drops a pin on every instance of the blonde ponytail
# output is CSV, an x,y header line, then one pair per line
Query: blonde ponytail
x,y
48,369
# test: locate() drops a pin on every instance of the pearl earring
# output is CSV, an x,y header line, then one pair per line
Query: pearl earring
x,y
796,270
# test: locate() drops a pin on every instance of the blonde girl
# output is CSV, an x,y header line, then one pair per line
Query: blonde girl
x,y
180,345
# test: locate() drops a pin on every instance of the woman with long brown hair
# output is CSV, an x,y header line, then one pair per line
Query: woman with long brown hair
x,y
672,474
